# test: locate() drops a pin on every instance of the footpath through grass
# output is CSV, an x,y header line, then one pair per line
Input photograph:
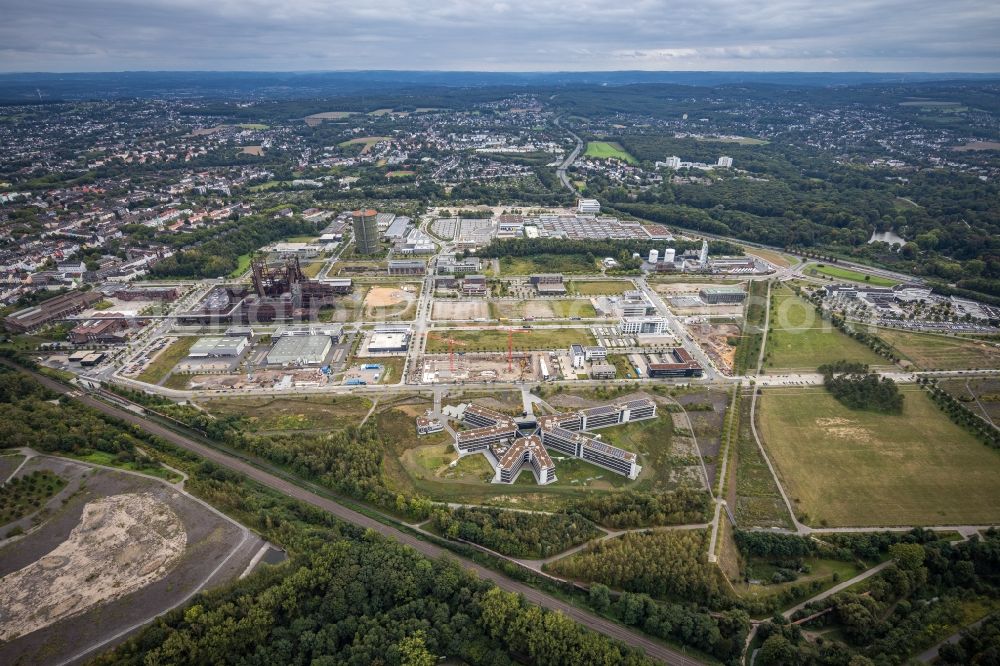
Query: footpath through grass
x,y
844,467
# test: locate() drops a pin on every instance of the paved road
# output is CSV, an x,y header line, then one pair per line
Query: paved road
x,y
837,588
652,648
561,171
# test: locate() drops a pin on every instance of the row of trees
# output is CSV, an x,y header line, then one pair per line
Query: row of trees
x,y
523,247
515,533
962,415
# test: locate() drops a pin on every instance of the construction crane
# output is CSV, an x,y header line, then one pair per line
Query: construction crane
x,y
451,347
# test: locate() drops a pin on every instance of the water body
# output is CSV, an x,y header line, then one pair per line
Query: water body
x,y
890,237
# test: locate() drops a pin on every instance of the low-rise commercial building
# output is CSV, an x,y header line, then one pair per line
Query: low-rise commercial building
x,y
218,347
406,267
678,363
300,350
718,295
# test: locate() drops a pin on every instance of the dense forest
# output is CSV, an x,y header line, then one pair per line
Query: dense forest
x,y
365,601
665,565
33,416
514,533
630,508
215,252
857,388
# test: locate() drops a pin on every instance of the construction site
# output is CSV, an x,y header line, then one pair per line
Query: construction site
x,y
478,367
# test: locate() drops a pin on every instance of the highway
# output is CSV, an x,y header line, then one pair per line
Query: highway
x,y
652,648
561,171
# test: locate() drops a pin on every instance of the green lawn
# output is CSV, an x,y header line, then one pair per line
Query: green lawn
x,y
860,468
848,274
599,287
242,266
930,351
253,126
800,340
109,460
546,263
167,359
608,149
495,340
652,440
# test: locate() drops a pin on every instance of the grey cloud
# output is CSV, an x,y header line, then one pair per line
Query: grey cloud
x,y
886,35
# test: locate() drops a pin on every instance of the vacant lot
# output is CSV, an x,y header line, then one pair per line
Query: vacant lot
x,y
382,302
546,263
166,359
801,340
608,149
543,309
599,287
305,413
855,468
460,310
937,352
495,339
847,274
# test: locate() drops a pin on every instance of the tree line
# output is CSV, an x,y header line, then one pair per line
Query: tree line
x,y
514,533
631,508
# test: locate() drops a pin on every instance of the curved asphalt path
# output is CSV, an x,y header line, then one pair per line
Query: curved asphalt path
x,y
652,648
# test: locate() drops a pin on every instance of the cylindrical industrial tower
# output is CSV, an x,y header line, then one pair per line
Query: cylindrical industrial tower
x,y
668,255
365,231
654,256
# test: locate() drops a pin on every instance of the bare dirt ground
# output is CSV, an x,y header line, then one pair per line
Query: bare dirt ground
x,y
713,339
476,367
117,552
122,543
384,300
460,310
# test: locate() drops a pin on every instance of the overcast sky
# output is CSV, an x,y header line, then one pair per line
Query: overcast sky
x,y
502,35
